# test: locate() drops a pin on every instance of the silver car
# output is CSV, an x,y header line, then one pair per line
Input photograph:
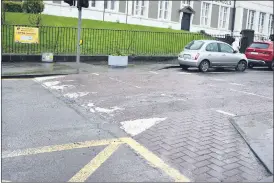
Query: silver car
x,y
206,54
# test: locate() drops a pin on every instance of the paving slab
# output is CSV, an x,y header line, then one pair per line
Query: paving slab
x,y
257,130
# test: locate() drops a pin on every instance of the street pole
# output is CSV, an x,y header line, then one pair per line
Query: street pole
x,y
233,17
79,35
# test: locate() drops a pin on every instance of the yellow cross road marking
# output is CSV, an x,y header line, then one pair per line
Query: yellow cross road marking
x,y
48,149
96,162
155,160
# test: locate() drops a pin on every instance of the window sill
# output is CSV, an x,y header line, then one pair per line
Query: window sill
x,y
139,16
111,11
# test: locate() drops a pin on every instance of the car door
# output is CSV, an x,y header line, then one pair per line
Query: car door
x,y
228,57
212,53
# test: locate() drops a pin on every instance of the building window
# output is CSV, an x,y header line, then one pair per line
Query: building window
x,y
164,6
110,4
261,22
205,14
185,2
93,3
57,1
223,17
250,19
139,7
224,2
270,25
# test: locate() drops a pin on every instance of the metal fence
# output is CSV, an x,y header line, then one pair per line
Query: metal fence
x,y
62,40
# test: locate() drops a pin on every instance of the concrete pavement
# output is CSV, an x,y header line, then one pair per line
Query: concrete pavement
x,y
183,117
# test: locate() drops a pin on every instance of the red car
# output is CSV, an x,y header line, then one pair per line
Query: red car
x,y
260,54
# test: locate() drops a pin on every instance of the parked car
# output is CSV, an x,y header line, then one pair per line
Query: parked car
x,y
206,54
260,54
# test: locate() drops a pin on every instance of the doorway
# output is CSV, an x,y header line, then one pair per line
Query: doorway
x,y
185,22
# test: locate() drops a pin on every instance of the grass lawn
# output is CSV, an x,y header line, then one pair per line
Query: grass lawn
x,y
59,35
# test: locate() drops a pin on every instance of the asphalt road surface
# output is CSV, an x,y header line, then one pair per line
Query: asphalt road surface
x,y
133,124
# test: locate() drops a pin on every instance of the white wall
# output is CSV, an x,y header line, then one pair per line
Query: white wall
x,y
258,6
64,9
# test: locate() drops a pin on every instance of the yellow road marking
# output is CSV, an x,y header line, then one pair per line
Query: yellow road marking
x,y
47,149
95,163
155,160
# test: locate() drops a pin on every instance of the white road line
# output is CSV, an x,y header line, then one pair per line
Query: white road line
x,y
226,113
153,72
123,82
96,74
237,84
218,79
248,93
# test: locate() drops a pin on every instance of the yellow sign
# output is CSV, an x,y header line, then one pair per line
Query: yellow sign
x,y
26,34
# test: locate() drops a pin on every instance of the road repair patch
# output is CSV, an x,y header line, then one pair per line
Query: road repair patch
x,y
111,145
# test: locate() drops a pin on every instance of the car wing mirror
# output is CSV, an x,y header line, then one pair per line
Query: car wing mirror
x,y
235,51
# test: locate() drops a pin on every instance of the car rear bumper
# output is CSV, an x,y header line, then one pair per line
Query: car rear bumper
x,y
259,62
192,63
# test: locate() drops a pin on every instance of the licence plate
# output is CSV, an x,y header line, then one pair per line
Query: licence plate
x,y
254,53
187,57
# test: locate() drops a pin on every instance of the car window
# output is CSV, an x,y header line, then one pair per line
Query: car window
x,y
225,48
213,47
259,45
194,45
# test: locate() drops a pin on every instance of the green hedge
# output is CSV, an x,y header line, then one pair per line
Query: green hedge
x,y
33,6
11,6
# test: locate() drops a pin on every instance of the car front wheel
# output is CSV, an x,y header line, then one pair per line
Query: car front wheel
x,y
272,66
241,66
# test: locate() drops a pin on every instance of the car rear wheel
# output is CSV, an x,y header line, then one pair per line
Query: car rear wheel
x,y
250,65
241,66
204,66
185,67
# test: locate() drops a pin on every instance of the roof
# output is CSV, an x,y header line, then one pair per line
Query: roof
x,y
187,9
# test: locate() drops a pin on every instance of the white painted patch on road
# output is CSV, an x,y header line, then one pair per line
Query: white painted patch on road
x,y
47,78
105,110
96,74
135,127
225,113
165,95
61,87
90,105
254,94
51,83
92,110
237,84
76,95
211,85
153,72
123,82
